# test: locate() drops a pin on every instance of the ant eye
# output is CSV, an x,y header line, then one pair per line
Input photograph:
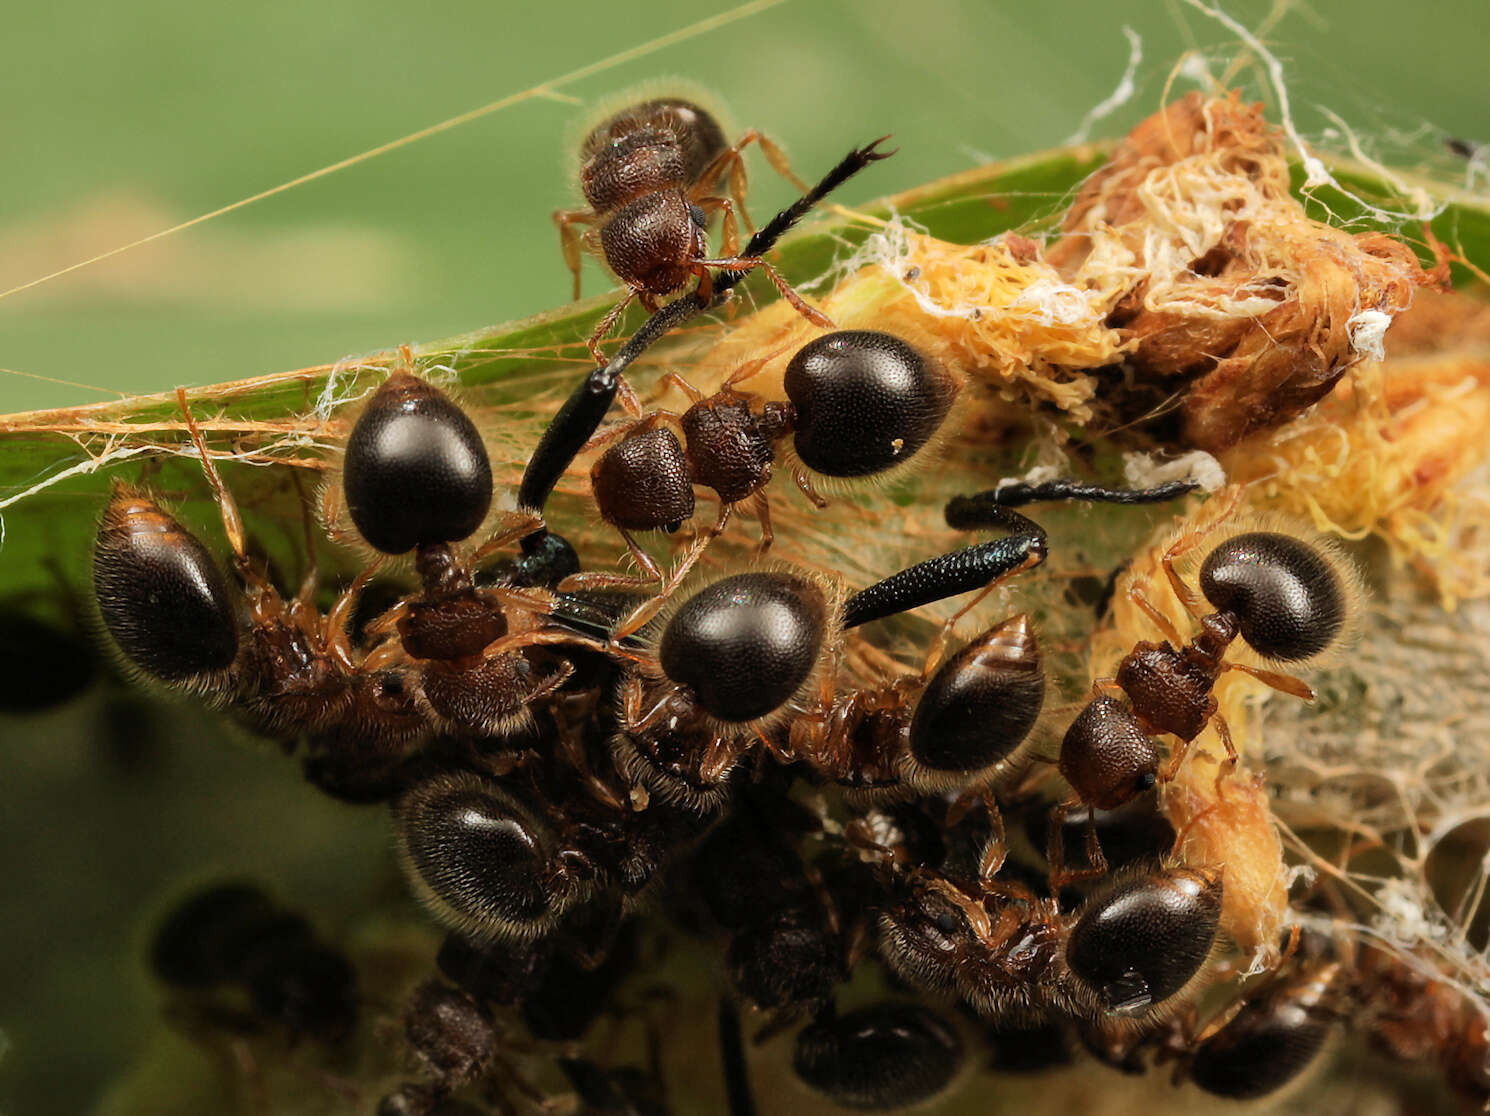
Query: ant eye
x,y
981,703
478,857
641,483
1289,601
1106,757
161,595
1141,943
885,1056
946,922
865,401
416,472
745,644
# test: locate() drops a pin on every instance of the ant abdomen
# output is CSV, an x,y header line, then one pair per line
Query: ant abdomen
x,y
745,644
1289,601
877,1058
642,484
1267,1045
479,857
865,402
416,472
162,597
981,703
1106,756
1142,941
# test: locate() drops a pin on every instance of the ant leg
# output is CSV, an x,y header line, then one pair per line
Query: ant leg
x,y
734,264
761,502
804,483
730,240
569,240
996,851
1194,603
949,575
1287,683
740,1101
638,617
1228,765
519,526
675,380
1055,850
1159,620
608,323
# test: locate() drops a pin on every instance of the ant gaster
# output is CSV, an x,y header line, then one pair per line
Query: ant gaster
x,y
650,173
885,1056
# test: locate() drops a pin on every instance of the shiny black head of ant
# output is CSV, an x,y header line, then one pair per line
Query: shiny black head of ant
x,y
162,596
1290,602
480,857
877,1058
979,706
746,644
416,471
1140,941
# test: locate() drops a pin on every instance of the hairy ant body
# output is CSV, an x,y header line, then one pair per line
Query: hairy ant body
x,y
649,174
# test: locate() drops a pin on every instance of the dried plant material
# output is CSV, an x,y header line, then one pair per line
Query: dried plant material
x,y
1228,293
1398,449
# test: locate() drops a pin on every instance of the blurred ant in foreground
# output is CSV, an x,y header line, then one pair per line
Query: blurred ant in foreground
x,y
650,173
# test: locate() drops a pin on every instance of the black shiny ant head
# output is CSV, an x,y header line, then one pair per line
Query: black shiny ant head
x,y
162,597
746,644
881,1057
416,472
650,146
1106,757
1269,1043
865,402
979,706
641,483
1290,600
478,857
1141,941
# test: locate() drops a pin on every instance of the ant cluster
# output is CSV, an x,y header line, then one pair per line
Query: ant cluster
x,y
562,749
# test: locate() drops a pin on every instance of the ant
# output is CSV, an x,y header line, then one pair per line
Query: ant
x,y
1288,596
649,174
1011,955
586,407
509,858
233,936
881,1057
740,656
859,403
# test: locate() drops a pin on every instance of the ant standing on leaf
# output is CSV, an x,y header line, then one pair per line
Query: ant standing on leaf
x,y
1290,596
649,174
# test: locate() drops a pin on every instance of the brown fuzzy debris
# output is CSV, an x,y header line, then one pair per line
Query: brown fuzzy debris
x,y
1215,276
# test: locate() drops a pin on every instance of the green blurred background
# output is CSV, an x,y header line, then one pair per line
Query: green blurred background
x,y
123,119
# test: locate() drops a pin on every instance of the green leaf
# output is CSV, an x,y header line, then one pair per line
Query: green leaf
x,y
56,466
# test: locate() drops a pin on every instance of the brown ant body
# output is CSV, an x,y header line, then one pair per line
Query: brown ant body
x,y
1288,599
859,403
650,175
